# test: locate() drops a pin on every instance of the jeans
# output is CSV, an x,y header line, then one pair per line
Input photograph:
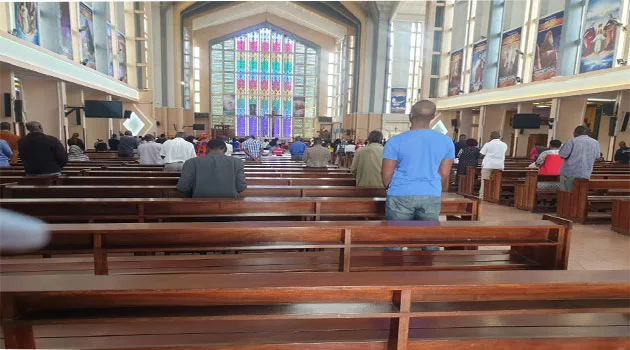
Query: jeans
x,y
413,208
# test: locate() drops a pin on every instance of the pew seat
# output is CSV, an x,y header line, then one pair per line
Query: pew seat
x,y
592,200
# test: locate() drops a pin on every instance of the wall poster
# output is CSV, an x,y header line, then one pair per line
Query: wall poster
x,y
600,35
228,104
508,61
455,76
547,47
86,27
27,21
298,106
110,49
480,50
66,30
122,57
399,100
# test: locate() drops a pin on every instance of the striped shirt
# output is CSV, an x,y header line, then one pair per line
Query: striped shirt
x,y
253,147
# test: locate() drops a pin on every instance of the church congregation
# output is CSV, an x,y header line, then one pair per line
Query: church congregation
x,y
431,174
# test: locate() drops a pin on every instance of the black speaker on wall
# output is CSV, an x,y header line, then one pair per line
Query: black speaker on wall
x,y
7,104
19,115
454,123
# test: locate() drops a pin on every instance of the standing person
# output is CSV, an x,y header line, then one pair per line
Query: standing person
x,y
468,156
236,146
297,149
414,165
161,139
113,142
317,156
461,144
11,139
228,146
579,154
368,162
277,150
149,151
493,153
622,156
75,140
43,155
214,175
5,154
126,145
253,149
100,145
176,151
202,146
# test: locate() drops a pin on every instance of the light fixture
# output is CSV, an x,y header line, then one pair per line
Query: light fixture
x,y
597,99
83,29
483,37
519,52
621,62
183,83
84,62
14,32
518,79
461,91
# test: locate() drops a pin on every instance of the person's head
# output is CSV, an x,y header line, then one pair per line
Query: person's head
x,y
75,135
114,136
266,140
471,143
555,144
252,137
216,146
495,135
180,134
622,144
375,136
149,137
463,137
128,133
190,139
241,140
581,130
34,127
337,141
298,139
163,136
422,112
203,136
4,126
350,142
317,141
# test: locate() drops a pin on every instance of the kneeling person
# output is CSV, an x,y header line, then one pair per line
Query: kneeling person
x,y
214,175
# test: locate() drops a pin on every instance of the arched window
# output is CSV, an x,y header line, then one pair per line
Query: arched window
x,y
265,82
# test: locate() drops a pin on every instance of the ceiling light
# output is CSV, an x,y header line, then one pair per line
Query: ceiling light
x,y
601,100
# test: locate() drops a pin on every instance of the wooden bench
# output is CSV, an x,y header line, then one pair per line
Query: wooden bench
x,y
500,187
621,216
292,174
591,200
363,310
252,208
63,191
348,246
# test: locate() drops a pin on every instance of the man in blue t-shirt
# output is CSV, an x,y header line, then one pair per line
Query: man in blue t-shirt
x,y
297,149
414,165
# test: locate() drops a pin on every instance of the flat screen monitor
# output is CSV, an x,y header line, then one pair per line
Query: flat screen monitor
x,y
608,108
103,109
526,121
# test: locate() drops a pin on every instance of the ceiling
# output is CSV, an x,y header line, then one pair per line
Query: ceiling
x,y
284,9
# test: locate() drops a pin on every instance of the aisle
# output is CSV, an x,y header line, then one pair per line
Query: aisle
x,y
593,247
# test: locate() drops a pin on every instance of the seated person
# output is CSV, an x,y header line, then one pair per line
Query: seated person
x,y
214,175
549,163
277,150
100,146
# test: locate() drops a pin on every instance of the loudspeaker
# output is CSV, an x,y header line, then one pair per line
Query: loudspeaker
x,y
611,126
199,127
19,115
127,114
7,104
454,123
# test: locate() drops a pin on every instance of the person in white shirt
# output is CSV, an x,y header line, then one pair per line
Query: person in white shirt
x,y
493,154
176,151
351,147
228,145
149,151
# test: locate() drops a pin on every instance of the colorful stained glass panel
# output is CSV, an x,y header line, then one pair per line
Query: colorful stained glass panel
x,y
286,128
264,127
253,126
240,126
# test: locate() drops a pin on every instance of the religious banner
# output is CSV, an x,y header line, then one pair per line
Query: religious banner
x,y
455,76
399,100
110,50
547,47
66,30
298,106
122,57
480,49
508,62
27,21
86,28
228,104
600,35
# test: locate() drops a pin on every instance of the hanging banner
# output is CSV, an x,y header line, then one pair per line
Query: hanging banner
x,y
399,100
455,77
66,30
86,27
600,35
122,57
508,62
228,104
298,107
27,21
547,47
110,50
480,50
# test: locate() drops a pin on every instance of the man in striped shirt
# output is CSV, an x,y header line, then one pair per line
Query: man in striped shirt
x,y
253,149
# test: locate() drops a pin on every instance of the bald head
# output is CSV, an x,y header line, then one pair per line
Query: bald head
x,y
495,135
423,110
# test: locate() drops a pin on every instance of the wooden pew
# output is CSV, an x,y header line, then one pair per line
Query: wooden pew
x,y
63,191
621,216
364,310
59,210
591,200
533,245
291,174
500,187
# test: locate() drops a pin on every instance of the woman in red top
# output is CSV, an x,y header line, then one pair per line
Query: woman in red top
x,y
277,150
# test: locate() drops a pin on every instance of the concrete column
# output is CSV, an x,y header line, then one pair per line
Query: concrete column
x,y
42,103
570,115
466,122
490,119
74,98
379,67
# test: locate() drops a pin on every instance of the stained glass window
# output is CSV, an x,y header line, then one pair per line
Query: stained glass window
x,y
264,81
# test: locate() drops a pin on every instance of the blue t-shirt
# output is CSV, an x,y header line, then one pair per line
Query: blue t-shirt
x,y
297,148
418,154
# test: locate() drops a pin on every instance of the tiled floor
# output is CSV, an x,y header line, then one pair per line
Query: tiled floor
x,y
593,247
